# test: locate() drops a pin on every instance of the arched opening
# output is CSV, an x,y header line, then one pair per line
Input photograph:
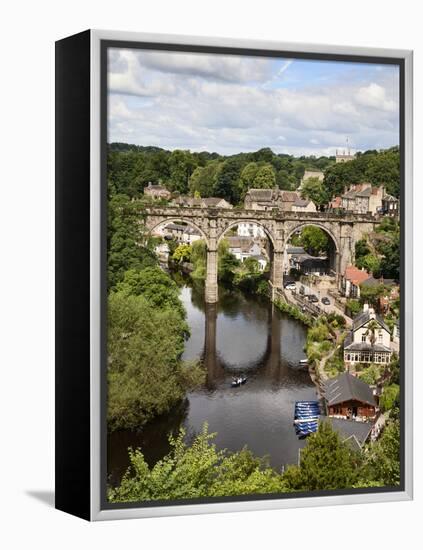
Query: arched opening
x,y
251,244
171,234
311,254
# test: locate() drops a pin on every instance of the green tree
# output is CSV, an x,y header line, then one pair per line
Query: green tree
x,y
313,189
199,259
227,179
314,240
389,396
382,466
182,253
247,176
371,294
143,367
202,180
194,471
325,463
182,165
265,177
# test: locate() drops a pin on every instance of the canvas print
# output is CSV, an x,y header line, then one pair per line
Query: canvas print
x,y
253,276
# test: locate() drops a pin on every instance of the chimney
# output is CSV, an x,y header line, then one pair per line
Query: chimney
x,y
366,307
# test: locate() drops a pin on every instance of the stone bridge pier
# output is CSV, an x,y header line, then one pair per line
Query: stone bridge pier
x,y
279,226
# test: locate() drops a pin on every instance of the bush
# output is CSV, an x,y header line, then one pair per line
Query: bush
x,y
389,397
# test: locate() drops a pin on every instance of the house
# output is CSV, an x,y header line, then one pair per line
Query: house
x,y
207,202
390,294
156,191
250,230
267,199
245,247
369,340
335,203
348,397
390,206
362,198
303,205
351,281
307,264
355,434
181,233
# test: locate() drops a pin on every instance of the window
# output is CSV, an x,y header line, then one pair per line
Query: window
x,y
380,336
363,337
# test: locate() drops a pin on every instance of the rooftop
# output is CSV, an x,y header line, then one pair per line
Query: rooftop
x,y
355,275
352,432
346,387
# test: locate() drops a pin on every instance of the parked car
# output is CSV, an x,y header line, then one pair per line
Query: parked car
x,y
290,286
313,298
325,300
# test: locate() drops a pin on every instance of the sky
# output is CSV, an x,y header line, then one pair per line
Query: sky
x,y
230,104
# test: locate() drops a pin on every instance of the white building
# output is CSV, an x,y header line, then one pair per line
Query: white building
x,y
181,233
366,343
250,230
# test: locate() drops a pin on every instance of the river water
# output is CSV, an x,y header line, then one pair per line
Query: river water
x,y
239,335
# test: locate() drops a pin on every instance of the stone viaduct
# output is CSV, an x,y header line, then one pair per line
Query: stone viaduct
x,y
279,225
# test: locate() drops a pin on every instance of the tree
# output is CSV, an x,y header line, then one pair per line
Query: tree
x,y
182,253
382,466
199,259
313,189
265,177
371,294
227,179
155,286
247,176
194,471
182,165
371,329
325,463
202,180
144,344
227,263
384,169
314,240
389,396
370,262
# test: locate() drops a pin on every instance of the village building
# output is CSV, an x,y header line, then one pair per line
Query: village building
x,y
206,202
390,295
267,199
245,247
181,233
390,206
250,230
343,156
354,434
348,397
351,281
309,265
156,191
362,198
369,340
303,205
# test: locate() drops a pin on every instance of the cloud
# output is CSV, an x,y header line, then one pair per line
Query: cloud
x,y
230,104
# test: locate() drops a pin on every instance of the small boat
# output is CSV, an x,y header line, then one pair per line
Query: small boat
x,y
238,381
303,363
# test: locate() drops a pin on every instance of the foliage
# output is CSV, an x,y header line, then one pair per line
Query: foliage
x,y
124,240
369,262
294,312
388,397
196,470
325,463
202,180
227,180
145,375
181,165
371,294
155,286
382,466
371,374
314,190
314,240
199,259
182,253
265,177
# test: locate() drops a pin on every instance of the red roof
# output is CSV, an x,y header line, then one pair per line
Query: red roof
x,y
355,275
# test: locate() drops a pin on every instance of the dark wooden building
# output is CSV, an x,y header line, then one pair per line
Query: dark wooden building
x,y
349,397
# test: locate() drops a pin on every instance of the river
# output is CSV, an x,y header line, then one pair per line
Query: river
x,y
240,334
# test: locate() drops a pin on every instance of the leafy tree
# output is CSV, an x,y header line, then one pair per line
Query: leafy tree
x,y
361,249
325,463
199,259
182,165
155,286
202,180
124,239
227,263
247,176
314,189
354,306
182,253
194,471
265,177
252,265
369,262
227,179
144,368
314,240
389,397
384,169
371,294
382,466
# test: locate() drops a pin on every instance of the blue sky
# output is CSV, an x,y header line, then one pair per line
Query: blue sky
x,y
230,104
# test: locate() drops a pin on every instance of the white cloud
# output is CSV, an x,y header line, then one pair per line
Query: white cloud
x,y
375,96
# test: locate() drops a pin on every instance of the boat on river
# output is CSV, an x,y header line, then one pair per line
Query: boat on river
x,y
238,381
306,417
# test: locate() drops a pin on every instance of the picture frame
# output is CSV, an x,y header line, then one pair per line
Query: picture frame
x,y
81,274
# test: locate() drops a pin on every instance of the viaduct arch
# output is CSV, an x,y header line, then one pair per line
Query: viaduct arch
x,y
345,230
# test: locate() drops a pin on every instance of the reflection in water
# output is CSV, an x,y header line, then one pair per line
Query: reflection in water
x,y
240,334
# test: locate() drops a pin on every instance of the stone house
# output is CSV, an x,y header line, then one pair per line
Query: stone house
x,y
250,230
156,191
303,205
358,345
351,281
390,206
267,199
348,397
206,202
181,233
245,247
362,198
